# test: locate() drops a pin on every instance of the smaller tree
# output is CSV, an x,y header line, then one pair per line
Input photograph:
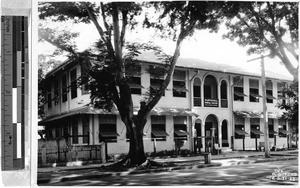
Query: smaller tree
x,y
291,108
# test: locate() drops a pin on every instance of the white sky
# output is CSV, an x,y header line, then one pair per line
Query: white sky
x,y
202,45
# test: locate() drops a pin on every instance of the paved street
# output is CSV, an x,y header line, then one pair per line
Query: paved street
x,y
245,174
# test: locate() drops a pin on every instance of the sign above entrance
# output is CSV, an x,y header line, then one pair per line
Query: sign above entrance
x,y
211,102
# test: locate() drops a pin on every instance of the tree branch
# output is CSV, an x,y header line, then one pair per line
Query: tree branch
x,y
124,24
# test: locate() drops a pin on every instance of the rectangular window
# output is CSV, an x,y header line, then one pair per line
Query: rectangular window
x,y
280,95
238,88
271,128
179,83
282,128
108,128
56,93
255,130
85,129
84,81
180,128
239,127
57,132
49,95
197,92
254,90
156,78
158,125
73,76
269,91
134,79
74,131
64,87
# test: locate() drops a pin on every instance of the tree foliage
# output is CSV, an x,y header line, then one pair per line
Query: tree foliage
x,y
292,107
266,28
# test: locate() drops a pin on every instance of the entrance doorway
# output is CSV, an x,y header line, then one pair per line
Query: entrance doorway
x,y
225,142
211,132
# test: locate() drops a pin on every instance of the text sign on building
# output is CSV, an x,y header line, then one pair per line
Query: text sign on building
x,y
211,102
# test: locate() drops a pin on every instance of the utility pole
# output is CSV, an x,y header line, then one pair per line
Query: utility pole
x,y
265,114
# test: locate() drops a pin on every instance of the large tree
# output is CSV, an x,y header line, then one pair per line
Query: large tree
x,y
109,80
266,28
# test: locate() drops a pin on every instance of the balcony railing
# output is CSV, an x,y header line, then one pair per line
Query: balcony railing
x,y
224,103
197,101
211,102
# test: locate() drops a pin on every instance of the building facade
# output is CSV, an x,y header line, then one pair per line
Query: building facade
x,y
204,105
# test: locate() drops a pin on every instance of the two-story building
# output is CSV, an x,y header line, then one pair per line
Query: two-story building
x,y
205,102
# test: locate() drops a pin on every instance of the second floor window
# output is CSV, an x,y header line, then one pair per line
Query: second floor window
x,y
156,78
73,76
179,84
64,88
254,90
280,95
49,95
238,88
269,92
134,79
197,92
56,93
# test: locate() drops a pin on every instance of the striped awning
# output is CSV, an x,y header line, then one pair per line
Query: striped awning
x,y
255,95
257,114
108,134
282,131
90,110
159,133
256,132
181,133
240,94
270,96
272,132
241,132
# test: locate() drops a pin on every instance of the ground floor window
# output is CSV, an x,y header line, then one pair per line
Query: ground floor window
x,y
271,128
239,127
108,128
74,131
255,130
85,129
158,126
180,128
282,128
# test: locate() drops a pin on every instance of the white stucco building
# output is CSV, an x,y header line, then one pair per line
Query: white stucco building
x,y
201,96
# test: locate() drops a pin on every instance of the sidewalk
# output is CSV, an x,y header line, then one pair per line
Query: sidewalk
x,y
249,156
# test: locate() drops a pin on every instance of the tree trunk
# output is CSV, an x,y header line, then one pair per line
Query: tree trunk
x,y
136,153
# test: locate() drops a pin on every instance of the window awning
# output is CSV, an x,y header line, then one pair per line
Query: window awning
x,y
90,110
272,132
257,114
270,96
241,132
255,95
136,86
282,131
256,132
181,133
109,134
180,89
159,133
240,94
172,112
282,97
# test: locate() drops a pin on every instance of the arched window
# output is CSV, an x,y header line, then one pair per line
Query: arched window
x,y
197,92
210,92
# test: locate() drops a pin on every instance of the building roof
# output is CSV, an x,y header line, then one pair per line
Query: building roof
x,y
197,64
